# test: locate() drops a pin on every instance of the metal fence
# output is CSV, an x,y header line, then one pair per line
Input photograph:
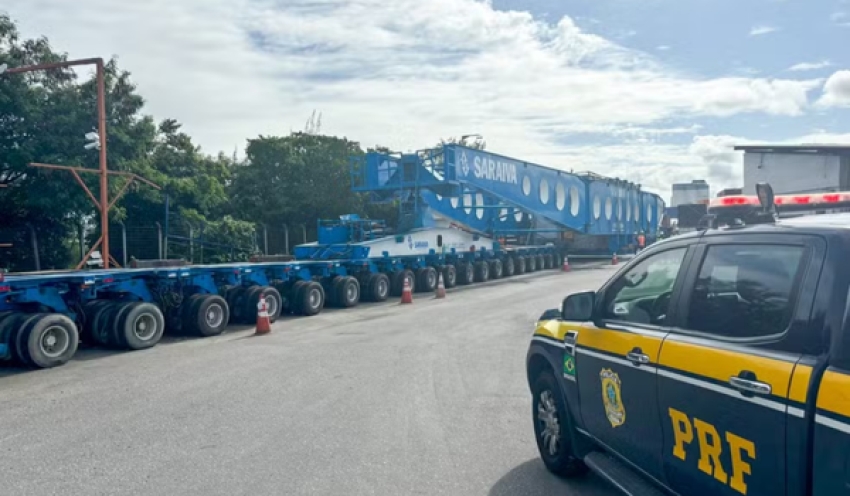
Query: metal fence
x,y
22,249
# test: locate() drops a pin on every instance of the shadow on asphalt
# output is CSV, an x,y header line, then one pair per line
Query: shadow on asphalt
x,y
532,479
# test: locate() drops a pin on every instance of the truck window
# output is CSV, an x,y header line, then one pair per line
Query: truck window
x,y
745,291
642,294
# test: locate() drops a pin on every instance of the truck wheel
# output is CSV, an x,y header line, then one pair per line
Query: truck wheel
x,y
296,296
551,425
520,265
482,271
211,315
252,299
496,269
9,326
426,280
114,331
550,261
19,328
378,287
531,263
333,290
541,262
465,273
311,299
509,267
398,281
48,341
557,261
349,292
90,311
449,276
239,303
141,326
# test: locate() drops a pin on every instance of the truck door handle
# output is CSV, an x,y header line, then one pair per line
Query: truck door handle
x,y
750,386
637,358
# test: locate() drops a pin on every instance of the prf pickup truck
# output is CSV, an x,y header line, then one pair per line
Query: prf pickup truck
x,y
713,363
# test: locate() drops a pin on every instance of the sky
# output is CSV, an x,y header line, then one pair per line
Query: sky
x,y
652,91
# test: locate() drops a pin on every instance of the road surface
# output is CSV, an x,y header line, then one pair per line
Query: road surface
x,y
383,399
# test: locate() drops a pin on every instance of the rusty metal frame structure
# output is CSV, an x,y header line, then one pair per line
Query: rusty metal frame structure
x,y
103,204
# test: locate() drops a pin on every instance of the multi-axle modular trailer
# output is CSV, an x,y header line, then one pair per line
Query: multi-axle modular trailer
x,y
44,316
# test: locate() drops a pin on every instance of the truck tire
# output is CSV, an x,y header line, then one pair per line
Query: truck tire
x,y
19,328
209,315
9,325
398,281
426,280
91,312
274,303
510,267
332,290
141,326
49,340
238,305
311,298
349,292
541,262
557,261
482,271
496,269
378,287
449,276
465,273
296,296
551,424
520,265
550,261
531,263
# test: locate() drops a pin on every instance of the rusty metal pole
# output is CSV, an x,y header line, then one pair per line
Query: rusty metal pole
x,y
104,174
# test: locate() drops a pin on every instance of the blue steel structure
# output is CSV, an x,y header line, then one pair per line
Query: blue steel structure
x,y
505,197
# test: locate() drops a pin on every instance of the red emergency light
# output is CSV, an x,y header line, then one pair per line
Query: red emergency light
x,y
800,200
734,201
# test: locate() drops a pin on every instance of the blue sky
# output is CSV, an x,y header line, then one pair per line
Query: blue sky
x,y
656,91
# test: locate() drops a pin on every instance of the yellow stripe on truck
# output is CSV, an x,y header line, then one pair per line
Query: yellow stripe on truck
x,y
617,342
720,365
800,383
551,329
834,393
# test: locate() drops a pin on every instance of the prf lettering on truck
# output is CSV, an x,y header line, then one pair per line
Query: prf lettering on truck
x,y
711,446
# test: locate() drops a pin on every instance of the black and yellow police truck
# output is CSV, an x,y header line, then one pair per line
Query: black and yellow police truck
x,y
713,363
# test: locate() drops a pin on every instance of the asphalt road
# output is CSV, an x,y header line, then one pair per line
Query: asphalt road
x,y
383,399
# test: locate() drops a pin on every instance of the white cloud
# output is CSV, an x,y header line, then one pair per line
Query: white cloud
x,y
838,16
761,30
662,48
810,66
836,90
404,74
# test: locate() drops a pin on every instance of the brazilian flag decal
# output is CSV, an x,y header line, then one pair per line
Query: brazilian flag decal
x,y
569,365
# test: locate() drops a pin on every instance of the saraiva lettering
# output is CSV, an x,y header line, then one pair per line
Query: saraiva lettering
x,y
710,447
494,170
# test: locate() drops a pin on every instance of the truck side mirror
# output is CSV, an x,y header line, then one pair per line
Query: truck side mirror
x,y
578,307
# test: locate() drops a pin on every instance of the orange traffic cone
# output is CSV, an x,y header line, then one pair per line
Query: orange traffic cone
x,y
614,259
264,325
406,292
441,288
566,267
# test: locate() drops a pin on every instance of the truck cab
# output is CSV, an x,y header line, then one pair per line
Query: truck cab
x,y
713,363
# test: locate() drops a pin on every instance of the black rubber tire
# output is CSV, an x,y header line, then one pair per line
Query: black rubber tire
x,y
426,280
549,261
10,322
188,312
235,297
496,269
541,262
378,287
510,266
557,261
563,463
115,332
465,273
239,306
20,326
132,320
482,271
449,276
348,294
333,289
311,299
521,265
398,281
202,325
531,263
296,296
32,344
274,302
247,311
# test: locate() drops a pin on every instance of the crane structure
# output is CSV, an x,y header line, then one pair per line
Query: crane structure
x,y
511,199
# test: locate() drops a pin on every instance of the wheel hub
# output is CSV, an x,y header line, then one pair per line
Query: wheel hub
x,y
547,415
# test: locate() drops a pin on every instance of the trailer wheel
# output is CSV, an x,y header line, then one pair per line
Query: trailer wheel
x,y
465,273
496,269
531,263
90,312
333,291
115,330
510,268
541,262
296,295
450,276
398,281
482,271
349,292
141,326
49,340
426,280
9,324
14,327
312,298
378,287
520,264
550,261
557,260
274,302
239,303
235,296
210,316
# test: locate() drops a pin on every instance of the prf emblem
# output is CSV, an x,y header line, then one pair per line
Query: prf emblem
x,y
611,397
